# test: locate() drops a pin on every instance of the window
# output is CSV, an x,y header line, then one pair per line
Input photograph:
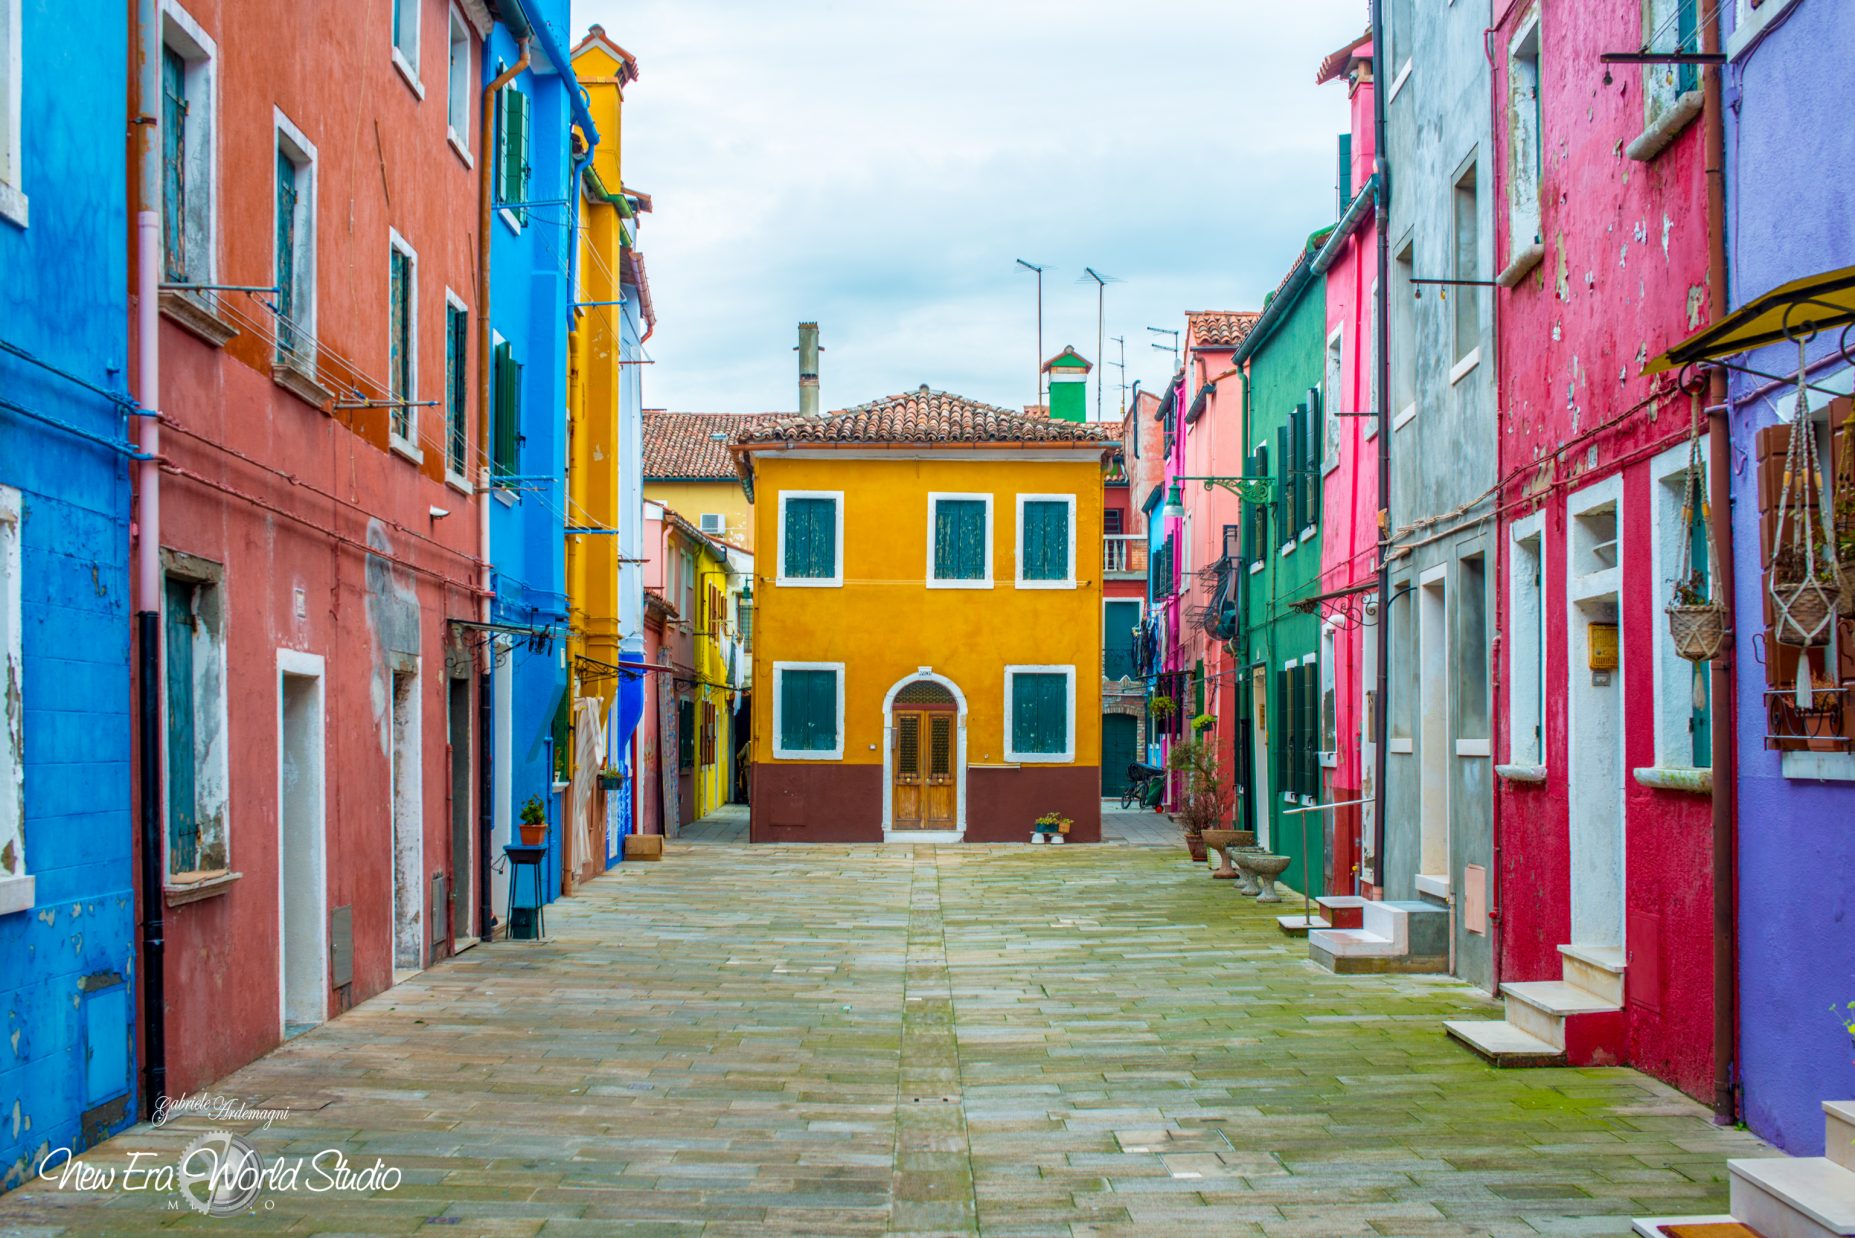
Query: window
x,y
1404,681
1403,342
1159,570
1683,713
1398,37
457,88
1669,26
1465,234
1040,715
406,40
706,755
1255,540
403,343
685,733
1371,360
1119,619
1046,541
808,711
1313,435
1297,492
1472,653
456,390
811,538
1297,755
1524,138
506,415
512,156
1526,694
959,541
188,114
1330,396
1755,16
714,523
295,249
12,179
15,885
1329,696
193,626
1112,520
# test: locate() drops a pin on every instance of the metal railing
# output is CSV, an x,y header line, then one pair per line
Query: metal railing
x,y
1124,552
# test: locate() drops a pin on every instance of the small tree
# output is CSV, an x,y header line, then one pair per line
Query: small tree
x,y
1207,798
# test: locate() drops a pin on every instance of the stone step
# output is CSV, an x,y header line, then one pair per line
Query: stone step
x,y
1722,1226
1298,925
1794,1197
1353,943
1503,1044
1839,1132
1343,910
1596,969
1541,1008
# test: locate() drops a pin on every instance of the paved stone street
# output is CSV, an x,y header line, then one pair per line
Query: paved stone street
x,y
1019,1040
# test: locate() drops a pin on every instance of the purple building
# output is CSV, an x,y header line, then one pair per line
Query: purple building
x,y
1786,221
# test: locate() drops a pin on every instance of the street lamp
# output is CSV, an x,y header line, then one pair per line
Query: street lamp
x,y
1249,489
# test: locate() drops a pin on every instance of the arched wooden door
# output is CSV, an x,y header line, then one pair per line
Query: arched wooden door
x,y
922,726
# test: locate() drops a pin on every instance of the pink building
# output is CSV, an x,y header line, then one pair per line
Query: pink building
x,y
1349,506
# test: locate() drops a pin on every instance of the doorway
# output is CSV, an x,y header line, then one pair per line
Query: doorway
x,y
1594,715
1120,748
302,917
924,757
408,827
1433,731
463,883
1259,755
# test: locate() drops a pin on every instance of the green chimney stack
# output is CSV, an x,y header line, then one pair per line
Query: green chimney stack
x,y
1068,376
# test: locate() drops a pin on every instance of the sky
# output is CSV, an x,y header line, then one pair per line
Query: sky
x,y
879,165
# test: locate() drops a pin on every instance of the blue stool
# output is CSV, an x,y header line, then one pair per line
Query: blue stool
x,y
534,859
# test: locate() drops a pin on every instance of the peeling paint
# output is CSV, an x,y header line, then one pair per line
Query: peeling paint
x,y
1697,299
1668,225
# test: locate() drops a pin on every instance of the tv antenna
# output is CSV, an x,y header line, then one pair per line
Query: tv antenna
x,y
1101,297
1172,348
1039,270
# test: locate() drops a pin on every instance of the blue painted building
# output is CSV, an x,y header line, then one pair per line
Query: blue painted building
x,y
532,252
67,898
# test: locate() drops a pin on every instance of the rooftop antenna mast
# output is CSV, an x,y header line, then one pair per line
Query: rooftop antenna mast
x,y
1172,348
1039,270
1121,365
1101,294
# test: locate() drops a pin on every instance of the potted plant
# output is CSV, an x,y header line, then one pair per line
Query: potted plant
x,y
1203,722
1206,801
1161,707
1696,621
611,778
1050,828
1805,601
534,822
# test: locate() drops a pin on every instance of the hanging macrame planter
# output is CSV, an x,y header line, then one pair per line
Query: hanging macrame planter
x,y
1696,620
1806,579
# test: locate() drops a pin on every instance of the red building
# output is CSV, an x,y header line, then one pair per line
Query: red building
x,y
1604,899
312,509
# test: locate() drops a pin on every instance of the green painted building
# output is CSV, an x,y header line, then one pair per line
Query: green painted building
x,y
1278,751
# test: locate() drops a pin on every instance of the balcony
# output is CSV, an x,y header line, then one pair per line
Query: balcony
x,y
1124,554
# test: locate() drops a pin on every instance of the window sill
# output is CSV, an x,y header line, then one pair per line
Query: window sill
x,y
1400,747
785,754
1397,83
409,73
1041,758
460,484
1675,778
1522,773
1255,567
1751,28
1666,128
504,495
1433,884
1821,766
13,204
1407,415
404,447
16,894
1523,262
958,584
190,313
457,144
1288,548
805,582
1307,533
184,888
1046,584
1473,748
508,218
302,384
1463,368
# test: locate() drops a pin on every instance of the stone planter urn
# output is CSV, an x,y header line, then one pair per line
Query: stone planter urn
x,y
1267,868
1218,840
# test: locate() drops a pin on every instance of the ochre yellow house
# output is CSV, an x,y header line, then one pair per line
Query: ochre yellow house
x,y
927,643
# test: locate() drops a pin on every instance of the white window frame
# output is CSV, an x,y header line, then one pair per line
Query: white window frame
x,y
934,500
1465,355
1068,755
1525,178
459,480
408,444
1526,693
186,36
458,78
1671,675
16,882
212,779
1327,700
1017,544
407,64
836,579
1332,387
780,751
301,152
1751,23
12,99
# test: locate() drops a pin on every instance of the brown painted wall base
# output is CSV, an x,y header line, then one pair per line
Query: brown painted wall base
x,y
1002,803
829,803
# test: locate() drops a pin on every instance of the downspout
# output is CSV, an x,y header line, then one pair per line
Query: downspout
x,y
1382,175
1725,700
148,557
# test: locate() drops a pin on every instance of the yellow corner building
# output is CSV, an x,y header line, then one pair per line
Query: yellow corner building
x,y
927,644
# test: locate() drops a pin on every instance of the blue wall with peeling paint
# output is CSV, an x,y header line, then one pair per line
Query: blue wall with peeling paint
x,y
67,960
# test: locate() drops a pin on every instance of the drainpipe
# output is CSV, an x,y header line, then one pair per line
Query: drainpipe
x,y
1725,701
1382,173
148,556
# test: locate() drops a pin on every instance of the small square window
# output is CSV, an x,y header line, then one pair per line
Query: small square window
x,y
959,541
193,666
403,344
811,537
1046,541
457,92
1040,714
808,708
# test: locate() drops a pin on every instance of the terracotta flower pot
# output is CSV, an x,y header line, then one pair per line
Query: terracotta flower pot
x,y
534,833
1195,844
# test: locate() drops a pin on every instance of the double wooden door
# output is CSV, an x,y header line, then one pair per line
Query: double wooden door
x,y
923,791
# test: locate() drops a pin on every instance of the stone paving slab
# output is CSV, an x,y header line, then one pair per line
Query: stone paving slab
x,y
926,1040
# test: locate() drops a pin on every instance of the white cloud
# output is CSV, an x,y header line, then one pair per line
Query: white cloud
x,y
879,166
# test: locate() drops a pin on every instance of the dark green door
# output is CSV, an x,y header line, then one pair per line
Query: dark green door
x,y
1120,734
183,834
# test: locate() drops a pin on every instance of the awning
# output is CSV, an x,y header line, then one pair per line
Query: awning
x,y
1818,303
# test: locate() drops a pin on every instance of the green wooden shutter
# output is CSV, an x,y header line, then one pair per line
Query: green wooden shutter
x,y
808,710
1045,548
1317,448
183,827
1119,619
523,111
174,165
1310,730
1039,712
457,353
399,372
796,539
686,734
810,545
508,379
1687,34
1281,734
286,255
1285,482
1198,689
959,539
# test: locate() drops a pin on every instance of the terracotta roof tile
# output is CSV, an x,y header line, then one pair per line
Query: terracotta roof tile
x,y
682,446
921,416
1220,328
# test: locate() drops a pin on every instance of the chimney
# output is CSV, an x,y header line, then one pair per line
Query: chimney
x,y
808,369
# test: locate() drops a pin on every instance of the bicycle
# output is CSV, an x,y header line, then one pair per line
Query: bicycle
x,y
1145,786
